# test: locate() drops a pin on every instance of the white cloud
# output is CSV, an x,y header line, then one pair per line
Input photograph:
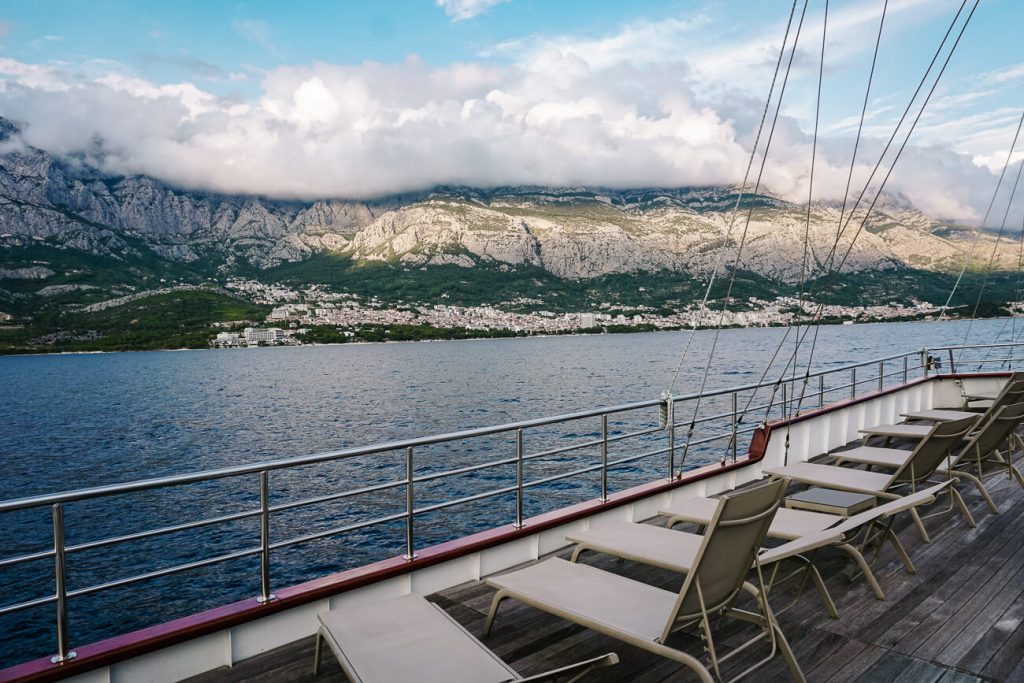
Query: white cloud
x,y
639,42
1006,74
258,32
625,110
460,10
41,42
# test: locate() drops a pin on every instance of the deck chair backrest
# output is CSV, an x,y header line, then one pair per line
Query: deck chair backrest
x,y
731,542
993,433
931,451
1014,387
1012,392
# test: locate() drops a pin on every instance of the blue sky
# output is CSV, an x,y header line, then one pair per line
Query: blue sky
x,y
484,92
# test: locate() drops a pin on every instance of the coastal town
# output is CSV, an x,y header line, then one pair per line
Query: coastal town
x,y
296,313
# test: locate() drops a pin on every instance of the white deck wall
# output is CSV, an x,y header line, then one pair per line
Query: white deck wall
x,y
807,439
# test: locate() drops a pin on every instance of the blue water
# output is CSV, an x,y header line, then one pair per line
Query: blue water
x,y
74,421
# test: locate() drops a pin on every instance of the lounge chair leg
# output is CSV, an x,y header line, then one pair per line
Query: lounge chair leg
x,y
709,644
771,581
981,489
963,508
1011,470
819,583
576,553
498,597
686,660
787,652
863,564
316,654
920,525
1016,474
901,551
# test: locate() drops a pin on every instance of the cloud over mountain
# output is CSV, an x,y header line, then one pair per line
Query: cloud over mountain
x,y
550,117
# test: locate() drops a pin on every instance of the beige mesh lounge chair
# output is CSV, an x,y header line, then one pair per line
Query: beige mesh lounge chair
x,y
665,548
915,471
411,639
982,448
791,525
976,396
1012,392
646,616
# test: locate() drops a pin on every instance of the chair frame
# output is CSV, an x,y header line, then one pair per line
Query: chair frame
x,y
680,617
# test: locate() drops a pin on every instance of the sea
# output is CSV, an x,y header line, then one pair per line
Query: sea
x,y
74,421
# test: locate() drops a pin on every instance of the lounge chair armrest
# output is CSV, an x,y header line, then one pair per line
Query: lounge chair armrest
x,y
579,668
802,545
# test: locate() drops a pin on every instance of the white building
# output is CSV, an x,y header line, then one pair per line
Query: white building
x,y
266,335
228,339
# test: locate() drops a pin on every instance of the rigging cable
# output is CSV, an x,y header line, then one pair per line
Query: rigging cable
x,y
739,198
832,268
1012,319
899,152
992,258
863,112
846,192
830,259
984,219
1020,262
807,225
810,183
743,237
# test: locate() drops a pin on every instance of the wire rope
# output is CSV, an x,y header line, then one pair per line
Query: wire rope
x,y
739,198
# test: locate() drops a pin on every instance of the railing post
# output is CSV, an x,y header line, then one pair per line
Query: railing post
x,y
904,369
881,374
952,363
821,391
924,361
784,402
670,423
519,478
60,575
410,541
735,424
672,447
265,594
853,382
604,457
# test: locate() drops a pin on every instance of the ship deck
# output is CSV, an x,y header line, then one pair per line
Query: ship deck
x,y
959,618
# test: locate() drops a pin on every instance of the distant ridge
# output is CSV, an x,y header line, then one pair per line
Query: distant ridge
x,y
569,232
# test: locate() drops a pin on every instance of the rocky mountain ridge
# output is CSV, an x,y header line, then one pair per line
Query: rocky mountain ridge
x,y
574,233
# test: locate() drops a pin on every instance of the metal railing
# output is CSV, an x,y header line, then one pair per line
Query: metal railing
x,y
658,435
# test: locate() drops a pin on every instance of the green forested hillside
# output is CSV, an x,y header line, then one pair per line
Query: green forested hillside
x,y
182,319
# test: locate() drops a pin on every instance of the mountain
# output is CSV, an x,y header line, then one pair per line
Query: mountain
x,y
61,218
585,233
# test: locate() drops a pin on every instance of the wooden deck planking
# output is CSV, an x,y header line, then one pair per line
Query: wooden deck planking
x,y
960,618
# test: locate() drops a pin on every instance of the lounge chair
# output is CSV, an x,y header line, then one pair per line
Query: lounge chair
x,y
915,470
1012,392
411,639
982,447
976,396
790,525
646,616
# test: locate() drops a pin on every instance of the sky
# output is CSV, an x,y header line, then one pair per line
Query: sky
x,y
364,99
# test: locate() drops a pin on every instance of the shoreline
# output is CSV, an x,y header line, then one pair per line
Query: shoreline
x,y
469,339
